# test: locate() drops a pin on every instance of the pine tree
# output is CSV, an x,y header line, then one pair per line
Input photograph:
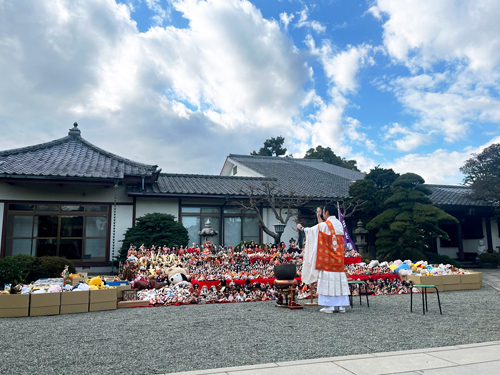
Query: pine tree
x,y
409,221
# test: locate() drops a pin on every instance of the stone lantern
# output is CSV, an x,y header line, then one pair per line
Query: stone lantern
x,y
360,233
208,233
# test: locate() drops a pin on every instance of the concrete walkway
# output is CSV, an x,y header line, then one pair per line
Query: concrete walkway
x,y
491,277
480,359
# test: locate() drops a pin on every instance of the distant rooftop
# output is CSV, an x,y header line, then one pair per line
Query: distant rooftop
x,y
69,157
193,184
454,195
311,177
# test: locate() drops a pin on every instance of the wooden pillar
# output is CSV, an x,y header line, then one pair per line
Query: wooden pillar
x,y
460,241
488,233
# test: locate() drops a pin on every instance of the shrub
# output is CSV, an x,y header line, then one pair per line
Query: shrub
x,y
53,266
9,272
434,258
367,258
20,268
24,268
154,229
489,258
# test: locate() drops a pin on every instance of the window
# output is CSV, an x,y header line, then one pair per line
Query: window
x,y
237,225
472,228
194,219
452,231
240,226
76,232
232,230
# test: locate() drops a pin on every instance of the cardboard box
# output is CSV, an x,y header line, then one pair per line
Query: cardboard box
x,y
101,306
119,291
14,313
74,309
123,304
76,280
433,280
450,287
470,286
14,305
472,278
45,300
451,279
44,310
75,298
102,295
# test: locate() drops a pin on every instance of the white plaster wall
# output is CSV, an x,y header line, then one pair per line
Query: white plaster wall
x,y
495,235
123,222
64,193
290,229
162,205
470,246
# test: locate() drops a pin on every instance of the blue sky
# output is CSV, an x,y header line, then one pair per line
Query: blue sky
x,y
410,85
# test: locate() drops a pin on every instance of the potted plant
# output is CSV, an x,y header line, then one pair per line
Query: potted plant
x,y
489,260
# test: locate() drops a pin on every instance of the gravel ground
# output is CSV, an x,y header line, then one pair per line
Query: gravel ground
x,y
180,338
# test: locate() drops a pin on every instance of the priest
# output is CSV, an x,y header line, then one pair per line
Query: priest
x,y
324,260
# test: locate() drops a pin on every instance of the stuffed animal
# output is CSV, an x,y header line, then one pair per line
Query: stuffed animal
x,y
176,275
95,283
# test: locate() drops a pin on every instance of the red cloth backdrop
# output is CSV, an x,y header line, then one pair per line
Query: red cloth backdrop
x,y
391,276
353,260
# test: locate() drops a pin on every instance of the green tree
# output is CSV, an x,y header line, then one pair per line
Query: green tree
x,y
328,156
272,147
154,229
409,220
368,195
482,173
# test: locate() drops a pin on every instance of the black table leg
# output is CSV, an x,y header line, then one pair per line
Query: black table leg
x,y
439,301
423,300
411,300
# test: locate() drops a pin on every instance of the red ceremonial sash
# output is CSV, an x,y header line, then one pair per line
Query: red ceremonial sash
x,y
330,254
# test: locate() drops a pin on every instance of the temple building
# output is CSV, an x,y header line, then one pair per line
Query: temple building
x,y
71,198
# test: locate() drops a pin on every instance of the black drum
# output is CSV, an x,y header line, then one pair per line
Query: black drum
x,y
285,271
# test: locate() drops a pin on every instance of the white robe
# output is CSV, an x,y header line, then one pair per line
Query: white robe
x,y
333,288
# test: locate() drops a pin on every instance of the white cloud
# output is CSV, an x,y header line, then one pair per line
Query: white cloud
x,y
458,96
449,103
286,19
341,67
304,22
404,139
168,96
439,167
161,14
422,32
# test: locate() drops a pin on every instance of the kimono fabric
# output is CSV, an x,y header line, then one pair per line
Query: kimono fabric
x,y
333,289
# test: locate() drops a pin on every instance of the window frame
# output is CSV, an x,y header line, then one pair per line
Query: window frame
x,y
8,212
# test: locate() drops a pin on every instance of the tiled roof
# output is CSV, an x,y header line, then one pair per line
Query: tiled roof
x,y
453,195
69,157
308,177
199,184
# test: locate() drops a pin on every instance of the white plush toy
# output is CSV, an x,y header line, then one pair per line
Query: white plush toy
x,y
177,274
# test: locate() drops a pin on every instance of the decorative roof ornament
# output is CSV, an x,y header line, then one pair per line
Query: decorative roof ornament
x,y
75,132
